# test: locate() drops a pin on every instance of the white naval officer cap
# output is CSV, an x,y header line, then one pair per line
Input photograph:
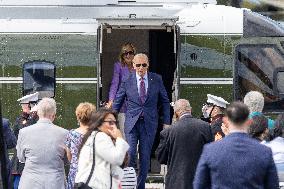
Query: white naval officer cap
x,y
217,101
29,98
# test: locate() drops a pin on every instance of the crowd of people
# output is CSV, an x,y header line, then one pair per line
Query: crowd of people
x,y
233,145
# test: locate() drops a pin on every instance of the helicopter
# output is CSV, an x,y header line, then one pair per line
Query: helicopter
x,y
197,46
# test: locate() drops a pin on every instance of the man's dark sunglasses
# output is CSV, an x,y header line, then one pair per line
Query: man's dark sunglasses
x,y
139,65
128,53
112,122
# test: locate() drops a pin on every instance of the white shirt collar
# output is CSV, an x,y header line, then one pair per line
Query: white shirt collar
x,y
145,76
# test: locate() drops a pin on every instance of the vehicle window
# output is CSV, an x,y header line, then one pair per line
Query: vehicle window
x,y
260,68
257,25
39,76
280,82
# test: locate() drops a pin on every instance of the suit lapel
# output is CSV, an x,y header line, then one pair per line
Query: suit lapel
x,y
150,85
134,86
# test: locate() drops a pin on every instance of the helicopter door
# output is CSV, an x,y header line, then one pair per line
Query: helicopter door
x,y
177,47
260,67
145,34
99,78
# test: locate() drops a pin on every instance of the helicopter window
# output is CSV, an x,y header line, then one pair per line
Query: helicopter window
x,y
193,56
257,68
257,25
282,44
280,82
39,76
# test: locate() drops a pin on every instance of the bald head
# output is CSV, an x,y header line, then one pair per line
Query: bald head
x,y
181,106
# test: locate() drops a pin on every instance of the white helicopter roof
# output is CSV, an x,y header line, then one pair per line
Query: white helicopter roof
x,y
94,2
211,19
84,16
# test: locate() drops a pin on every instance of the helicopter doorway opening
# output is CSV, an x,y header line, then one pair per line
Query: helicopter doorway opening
x,y
160,44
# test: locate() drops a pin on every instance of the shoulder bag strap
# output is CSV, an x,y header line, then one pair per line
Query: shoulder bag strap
x,y
93,165
110,178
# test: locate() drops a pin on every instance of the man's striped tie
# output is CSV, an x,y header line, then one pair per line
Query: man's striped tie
x,y
142,90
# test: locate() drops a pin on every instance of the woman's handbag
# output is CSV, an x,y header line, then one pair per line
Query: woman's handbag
x,y
82,185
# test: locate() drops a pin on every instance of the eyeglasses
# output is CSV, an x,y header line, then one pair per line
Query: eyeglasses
x,y
139,65
128,53
111,122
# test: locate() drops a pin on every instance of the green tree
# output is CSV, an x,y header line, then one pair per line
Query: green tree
x,y
233,3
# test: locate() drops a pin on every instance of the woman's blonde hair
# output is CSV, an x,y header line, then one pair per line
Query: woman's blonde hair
x,y
122,51
84,111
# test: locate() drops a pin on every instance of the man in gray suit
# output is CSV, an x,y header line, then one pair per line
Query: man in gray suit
x,y
41,148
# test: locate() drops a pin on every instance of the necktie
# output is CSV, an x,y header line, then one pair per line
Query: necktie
x,y
142,90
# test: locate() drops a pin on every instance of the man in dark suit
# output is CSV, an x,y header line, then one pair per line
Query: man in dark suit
x,y
142,91
181,146
237,161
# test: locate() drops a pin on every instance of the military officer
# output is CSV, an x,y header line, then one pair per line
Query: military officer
x,y
26,118
214,111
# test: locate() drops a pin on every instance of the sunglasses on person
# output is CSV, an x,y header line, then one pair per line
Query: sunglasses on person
x,y
128,53
111,122
139,65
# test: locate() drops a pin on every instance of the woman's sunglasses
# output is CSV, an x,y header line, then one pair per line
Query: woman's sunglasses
x,y
128,53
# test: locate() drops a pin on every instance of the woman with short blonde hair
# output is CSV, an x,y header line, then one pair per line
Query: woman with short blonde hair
x,y
74,138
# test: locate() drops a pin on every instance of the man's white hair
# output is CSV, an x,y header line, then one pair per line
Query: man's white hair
x,y
46,107
255,101
140,56
182,105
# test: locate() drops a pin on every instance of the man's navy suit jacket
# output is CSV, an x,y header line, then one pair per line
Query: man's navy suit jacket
x,y
10,142
156,92
9,137
236,162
